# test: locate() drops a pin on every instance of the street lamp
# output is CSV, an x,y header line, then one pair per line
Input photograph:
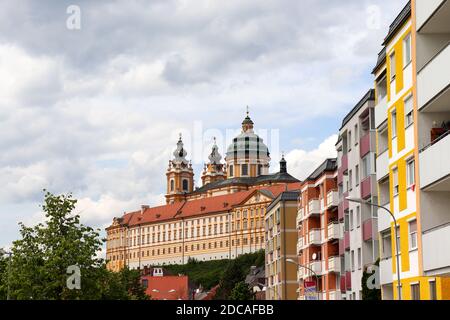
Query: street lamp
x,y
2,253
309,269
361,201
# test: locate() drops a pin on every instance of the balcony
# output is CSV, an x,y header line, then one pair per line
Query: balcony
x,y
344,165
347,240
300,273
435,166
300,244
386,271
334,264
299,216
435,248
314,237
342,284
368,187
433,82
432,16
332,199
333,231
314,207
334,295
367,144
348,280
369,229
341,247
322,205
381,112
341,214
384,218
316,266
382,165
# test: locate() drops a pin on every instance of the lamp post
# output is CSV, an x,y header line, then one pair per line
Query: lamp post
x,y
3,252
309,269
361,201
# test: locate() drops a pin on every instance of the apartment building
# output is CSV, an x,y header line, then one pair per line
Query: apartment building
x,y
411,115
319,232
281,240
431,87
356,149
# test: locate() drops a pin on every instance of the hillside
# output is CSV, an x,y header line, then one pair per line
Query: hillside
x,y
209,273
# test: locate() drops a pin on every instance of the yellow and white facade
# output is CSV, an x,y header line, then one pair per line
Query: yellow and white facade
x,y
398,166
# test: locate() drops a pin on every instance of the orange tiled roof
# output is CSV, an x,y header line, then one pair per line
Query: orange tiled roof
x,y
200,206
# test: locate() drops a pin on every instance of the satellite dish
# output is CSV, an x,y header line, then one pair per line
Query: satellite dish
x,y
314,256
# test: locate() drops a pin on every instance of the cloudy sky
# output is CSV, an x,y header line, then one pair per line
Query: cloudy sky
x,y
97,110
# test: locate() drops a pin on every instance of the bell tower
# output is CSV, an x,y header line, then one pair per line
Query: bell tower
x,y
214,170
180,175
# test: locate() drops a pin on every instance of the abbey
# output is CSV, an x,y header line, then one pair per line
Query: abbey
x,y
222,219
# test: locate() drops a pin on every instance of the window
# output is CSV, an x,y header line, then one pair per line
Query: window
x,y
407,49
433,294
351,219
392,69
409,116
413,235
185,185
410,173
244,169
386,244
350,178
259,169
357,175
145,283
415,291
358,216
353,260
395,181
231,170
356,134
359,259
172,185
394,124
365,167
349,141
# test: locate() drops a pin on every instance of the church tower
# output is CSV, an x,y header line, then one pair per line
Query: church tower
x,y
214,170
247,156
180,175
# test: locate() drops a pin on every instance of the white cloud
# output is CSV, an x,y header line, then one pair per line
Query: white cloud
x,y
302,163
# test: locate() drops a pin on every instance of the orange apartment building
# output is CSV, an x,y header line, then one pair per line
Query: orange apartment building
x,y
319,232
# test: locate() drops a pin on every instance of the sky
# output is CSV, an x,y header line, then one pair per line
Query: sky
x,y
93,97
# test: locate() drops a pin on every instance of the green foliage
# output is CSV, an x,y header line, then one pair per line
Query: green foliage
x,y
3,274
369,294
41,257
227,273
241,291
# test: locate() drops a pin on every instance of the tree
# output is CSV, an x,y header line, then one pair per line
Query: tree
x,y
241,291
41,258
370,294
3,274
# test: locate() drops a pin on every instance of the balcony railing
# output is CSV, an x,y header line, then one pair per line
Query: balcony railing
x,y
343,285
314,207
333,231
348,280
299,216
322,205
341,247
369,227
300,244
334,264
364,145
334,295
314,237
345,202
341,213
434,163
366,187
332,199
347,240
316,266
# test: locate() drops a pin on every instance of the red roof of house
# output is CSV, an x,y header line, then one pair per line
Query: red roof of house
x,y
200,206
167,287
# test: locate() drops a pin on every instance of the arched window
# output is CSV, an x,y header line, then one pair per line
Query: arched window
x,y
231,170
172,185
185,185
